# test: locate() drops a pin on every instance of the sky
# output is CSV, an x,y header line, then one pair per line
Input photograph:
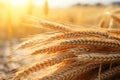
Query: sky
x,y
66,3
59,3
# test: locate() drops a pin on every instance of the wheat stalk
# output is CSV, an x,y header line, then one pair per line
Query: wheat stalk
x,y
109,73
102,23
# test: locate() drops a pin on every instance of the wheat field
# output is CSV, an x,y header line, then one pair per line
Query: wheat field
x,y
83,45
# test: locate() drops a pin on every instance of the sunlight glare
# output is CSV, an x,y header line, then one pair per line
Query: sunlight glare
x,y
18,2
108,13
38,2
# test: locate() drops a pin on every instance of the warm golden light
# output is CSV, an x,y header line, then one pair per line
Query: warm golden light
x,y
18,2
108,13
24,2
38,2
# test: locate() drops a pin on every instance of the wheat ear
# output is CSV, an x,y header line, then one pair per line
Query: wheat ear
x,y
114,31
68,44
72,35
92,41
55,26
40,65
68,36
73,72
52,49
101,58
64,36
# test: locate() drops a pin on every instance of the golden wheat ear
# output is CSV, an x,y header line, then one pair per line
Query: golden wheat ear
x,y
33,40
37,40
47,24
97,57
64,72
67,66
69,35
92,42
70,72
55,26
22,73
72,43
114,31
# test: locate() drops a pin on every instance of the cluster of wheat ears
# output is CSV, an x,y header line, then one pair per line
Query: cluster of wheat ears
x,y
69,54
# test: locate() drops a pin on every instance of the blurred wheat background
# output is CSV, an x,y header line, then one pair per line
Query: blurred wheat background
x,y
34,26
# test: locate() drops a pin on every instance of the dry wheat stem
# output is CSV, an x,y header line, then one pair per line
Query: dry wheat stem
x,y
99,72
102,23
109,73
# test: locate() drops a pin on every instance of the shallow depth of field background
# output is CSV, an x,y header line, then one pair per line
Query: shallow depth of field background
x,y
13,14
